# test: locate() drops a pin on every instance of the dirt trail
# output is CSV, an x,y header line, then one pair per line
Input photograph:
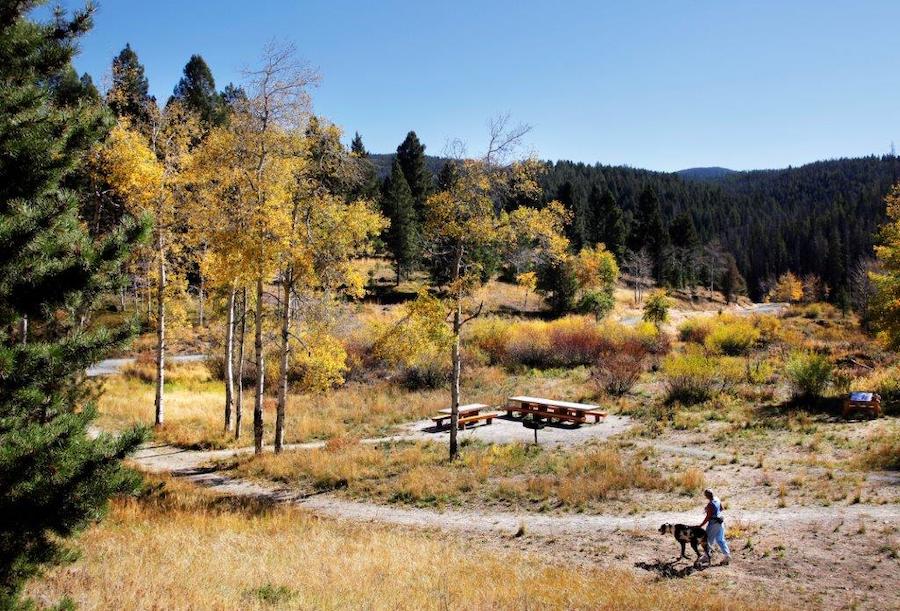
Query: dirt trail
x,y
190,465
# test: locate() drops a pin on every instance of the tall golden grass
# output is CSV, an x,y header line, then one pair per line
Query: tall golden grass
x,y
195,406
515,473
189,549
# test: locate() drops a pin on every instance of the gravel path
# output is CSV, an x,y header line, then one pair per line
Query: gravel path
x,y
190,465
110,367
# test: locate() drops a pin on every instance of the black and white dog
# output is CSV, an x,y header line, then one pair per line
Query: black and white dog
x,y
687,534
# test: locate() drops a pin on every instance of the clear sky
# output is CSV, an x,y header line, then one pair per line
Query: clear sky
x,y
663,85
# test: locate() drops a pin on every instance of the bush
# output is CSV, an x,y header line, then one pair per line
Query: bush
x,y
528,345
882,450
567,342
425,376
657,342
810,373
769,327
694,377
690,377
656,308
490,337
619,366
597,303
732,338
574,340
694,330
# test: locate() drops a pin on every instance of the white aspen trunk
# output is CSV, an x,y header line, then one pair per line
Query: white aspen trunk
x,y
284,351
239,406
160,334
260,371
229,359
24,330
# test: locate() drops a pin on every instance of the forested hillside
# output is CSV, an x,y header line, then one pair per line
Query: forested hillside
x,y
817,219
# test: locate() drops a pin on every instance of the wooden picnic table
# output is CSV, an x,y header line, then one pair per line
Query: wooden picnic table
x,y
469,409
551,409
468,414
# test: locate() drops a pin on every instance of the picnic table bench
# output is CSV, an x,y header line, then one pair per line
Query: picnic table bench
x,y
552,409
467,415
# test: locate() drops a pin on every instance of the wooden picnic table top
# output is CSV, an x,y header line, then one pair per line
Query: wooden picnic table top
x,y
584,407
465,409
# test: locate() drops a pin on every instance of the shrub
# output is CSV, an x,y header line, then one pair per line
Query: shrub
x,y
732,338
656,308
769,327
690,377
597,303
690,481
882,450
528,344
490,337
574,340
657,342
425,376
809,373
694,330
694,377
619,366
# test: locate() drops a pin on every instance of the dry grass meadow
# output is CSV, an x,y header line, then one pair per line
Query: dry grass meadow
x,y
183,548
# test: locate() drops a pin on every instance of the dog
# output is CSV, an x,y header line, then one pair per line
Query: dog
x,y
687,534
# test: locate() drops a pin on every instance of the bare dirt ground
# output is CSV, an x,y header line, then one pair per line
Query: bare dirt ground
x,y
836,556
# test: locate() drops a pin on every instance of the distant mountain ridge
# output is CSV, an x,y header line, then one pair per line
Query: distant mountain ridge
x,y
383,161
708,173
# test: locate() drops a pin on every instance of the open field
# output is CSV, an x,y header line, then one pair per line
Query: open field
x,y
182,548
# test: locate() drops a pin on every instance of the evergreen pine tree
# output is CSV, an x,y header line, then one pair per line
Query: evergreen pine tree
x,y
572,197
197,91
232,96
683,255
402,237
357,147
411,154
54,478
446,176
608,222
649,231
835,272
129,94
368,181
733,284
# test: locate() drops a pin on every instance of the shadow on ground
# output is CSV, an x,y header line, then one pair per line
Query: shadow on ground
x,y
668,570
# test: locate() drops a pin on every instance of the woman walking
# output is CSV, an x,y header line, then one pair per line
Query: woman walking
x,y
715,531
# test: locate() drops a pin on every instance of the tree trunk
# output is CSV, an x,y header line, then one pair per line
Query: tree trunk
x,y
283,362
260,371
457,365
160,334
454,383
201,294
239,407
24,330
229,359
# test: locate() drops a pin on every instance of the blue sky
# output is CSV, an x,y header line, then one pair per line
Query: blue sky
x,y
662,85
